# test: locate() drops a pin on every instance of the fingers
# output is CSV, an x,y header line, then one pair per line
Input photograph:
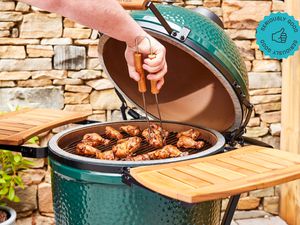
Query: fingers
x,y
154,69
160,57
159,75
160,83
133,74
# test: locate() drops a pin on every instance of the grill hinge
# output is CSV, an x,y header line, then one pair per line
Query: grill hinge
x,y
235,136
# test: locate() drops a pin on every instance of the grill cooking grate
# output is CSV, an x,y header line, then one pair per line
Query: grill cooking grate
x,y
145,147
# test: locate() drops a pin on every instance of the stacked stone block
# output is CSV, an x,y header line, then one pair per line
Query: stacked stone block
x,y
50,61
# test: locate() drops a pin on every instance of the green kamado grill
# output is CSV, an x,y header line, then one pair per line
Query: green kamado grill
x,y
206,89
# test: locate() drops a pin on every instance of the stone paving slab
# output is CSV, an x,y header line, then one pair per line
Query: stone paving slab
x,y
275,220
241,215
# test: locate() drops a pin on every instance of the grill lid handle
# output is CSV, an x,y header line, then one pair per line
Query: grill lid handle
x,y
134,4
144,5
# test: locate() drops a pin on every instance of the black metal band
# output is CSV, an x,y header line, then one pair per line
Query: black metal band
x,y
30,152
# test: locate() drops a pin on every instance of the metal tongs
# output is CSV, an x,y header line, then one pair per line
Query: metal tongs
x,y
142,86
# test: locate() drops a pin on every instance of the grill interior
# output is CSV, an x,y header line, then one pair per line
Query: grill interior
x,y
145,147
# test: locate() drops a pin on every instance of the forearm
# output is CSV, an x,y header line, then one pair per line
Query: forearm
x,y
106,16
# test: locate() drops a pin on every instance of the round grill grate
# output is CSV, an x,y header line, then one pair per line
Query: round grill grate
x,y
145,147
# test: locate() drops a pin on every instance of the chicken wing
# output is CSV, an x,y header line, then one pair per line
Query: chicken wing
x,y
155,135
113,133
86,149
94,139
131,130
169,151
192,133
126,147
187,142
106,155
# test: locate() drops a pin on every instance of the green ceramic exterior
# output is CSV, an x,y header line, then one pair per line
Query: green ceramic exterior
x,y
84,197
206,34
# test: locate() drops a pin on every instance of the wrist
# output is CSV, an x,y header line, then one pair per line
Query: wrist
x,y
138,39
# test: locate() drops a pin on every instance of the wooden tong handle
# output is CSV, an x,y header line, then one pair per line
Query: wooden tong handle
x,y
134,4
154,89
138,63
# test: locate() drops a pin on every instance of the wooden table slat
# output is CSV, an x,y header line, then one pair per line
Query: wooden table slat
x,y
234,167
183,177
243,164
220,176
259,162
17,127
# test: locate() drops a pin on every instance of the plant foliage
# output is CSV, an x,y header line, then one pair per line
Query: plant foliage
x,y
10,164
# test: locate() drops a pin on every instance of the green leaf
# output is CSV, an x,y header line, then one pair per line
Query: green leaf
x,y
33,140
11,193
2,181
17,158
4,191
6,177
16,199
18,181
27,162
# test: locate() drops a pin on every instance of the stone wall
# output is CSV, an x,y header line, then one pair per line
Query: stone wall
x,y
50,61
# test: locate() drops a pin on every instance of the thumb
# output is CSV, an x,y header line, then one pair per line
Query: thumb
x,y
282,30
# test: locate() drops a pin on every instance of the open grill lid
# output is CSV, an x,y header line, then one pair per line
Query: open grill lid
x,y
206,83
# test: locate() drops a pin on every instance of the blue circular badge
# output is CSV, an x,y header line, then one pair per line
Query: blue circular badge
x,y
278,35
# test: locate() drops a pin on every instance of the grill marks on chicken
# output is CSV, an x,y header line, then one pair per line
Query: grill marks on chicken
x,y
187,142
85,149
106,155
126,147
113,133
94,139
192,133
155,135
131,130
169,151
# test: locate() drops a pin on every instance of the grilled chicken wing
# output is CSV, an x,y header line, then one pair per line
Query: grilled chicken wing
x,y
169,151
94,139
113,133
131,130
126,147
155,136
106,155
187,142
141,157
86,149
192,133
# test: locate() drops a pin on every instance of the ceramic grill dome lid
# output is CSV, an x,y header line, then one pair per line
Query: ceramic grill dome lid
x,y
206,83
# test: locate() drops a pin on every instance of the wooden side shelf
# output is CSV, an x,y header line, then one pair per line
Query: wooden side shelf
x,y
222,175
17,127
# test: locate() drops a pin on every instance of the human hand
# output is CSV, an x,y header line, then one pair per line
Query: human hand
x,y
157,67
279,36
